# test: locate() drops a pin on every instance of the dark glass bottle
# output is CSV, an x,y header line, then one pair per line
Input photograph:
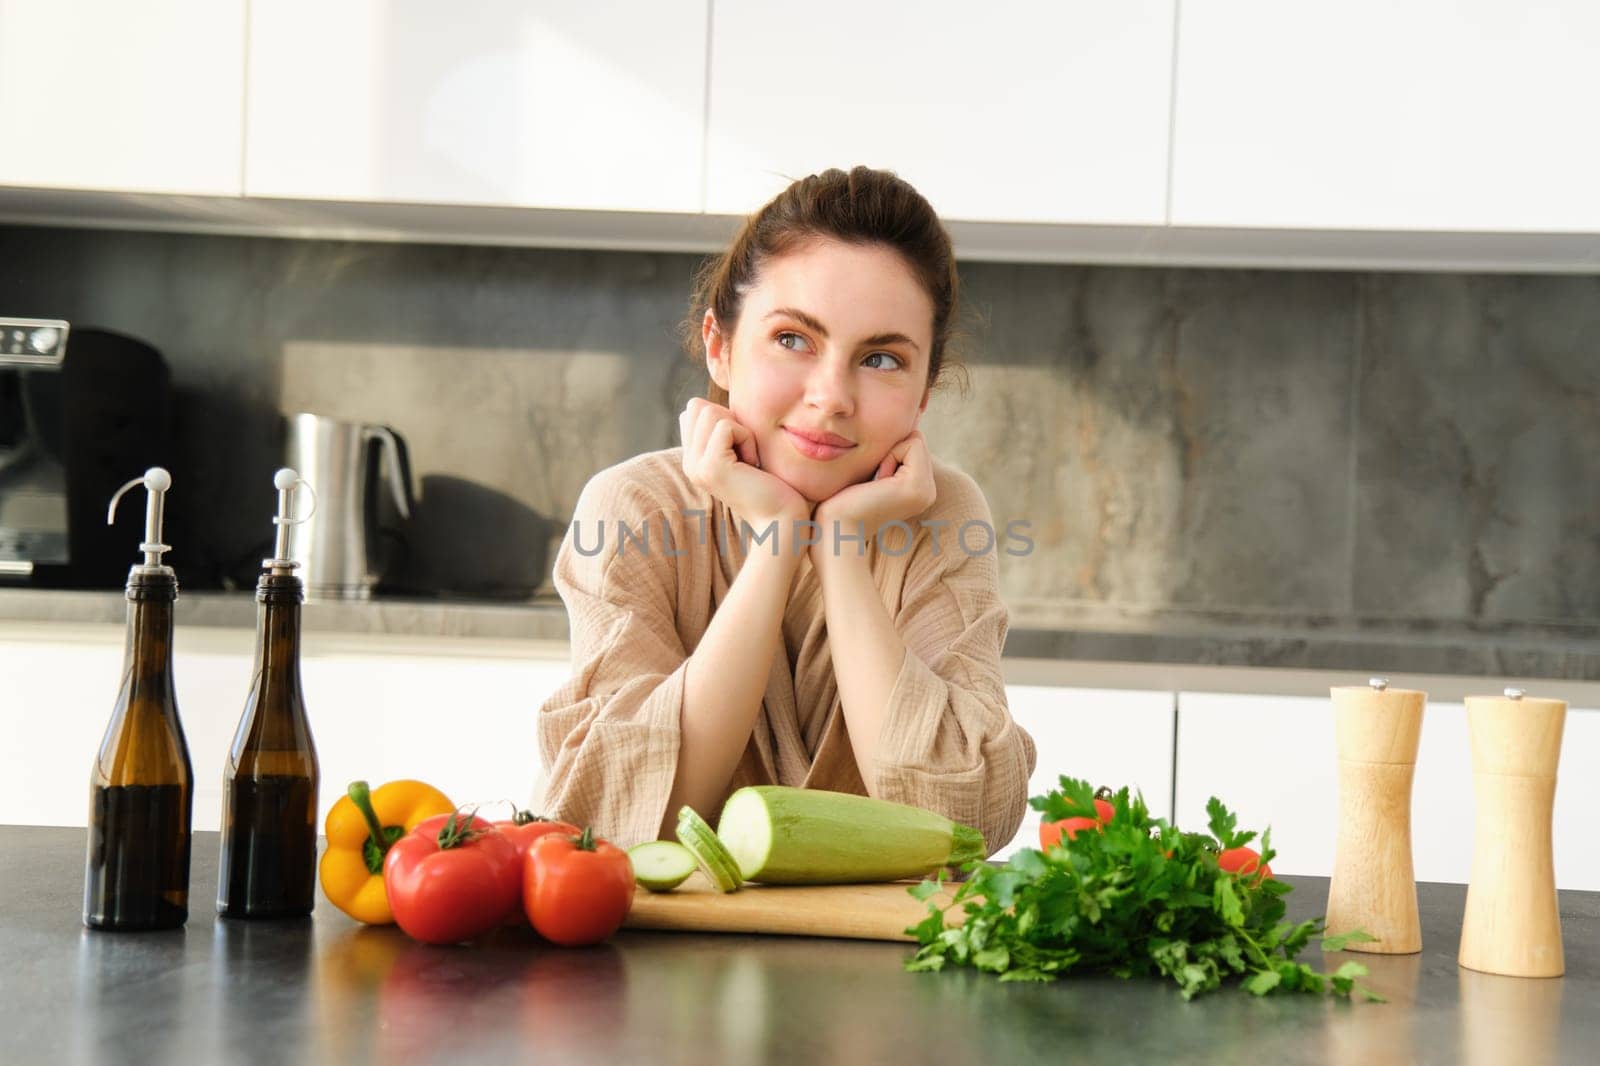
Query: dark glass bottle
x,y
141,792
269,790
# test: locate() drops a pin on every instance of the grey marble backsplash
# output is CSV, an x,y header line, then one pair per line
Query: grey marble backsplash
x,y
1192,448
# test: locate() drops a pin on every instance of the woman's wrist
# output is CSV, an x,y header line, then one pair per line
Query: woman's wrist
x,y
779,539
837,550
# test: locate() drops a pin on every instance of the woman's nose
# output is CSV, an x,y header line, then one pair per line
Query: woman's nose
x,y
830,387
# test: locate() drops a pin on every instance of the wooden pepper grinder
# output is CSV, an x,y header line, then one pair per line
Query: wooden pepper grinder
x,y
1374,889
1512,924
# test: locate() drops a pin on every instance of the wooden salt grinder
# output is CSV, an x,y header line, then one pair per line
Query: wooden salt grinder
x,y
1374,888
1512,925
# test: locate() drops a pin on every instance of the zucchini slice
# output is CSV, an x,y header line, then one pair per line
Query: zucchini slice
x,y
661,865
708,851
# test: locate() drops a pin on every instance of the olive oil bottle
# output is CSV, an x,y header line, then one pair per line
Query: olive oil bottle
x,y
141,791
269,788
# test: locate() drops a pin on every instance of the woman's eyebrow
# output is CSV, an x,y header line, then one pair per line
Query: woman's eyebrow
x,y
811,323
801,317
889,338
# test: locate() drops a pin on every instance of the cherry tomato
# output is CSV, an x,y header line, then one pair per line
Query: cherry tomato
x,y
1050,833
1242,861
452,878
576,889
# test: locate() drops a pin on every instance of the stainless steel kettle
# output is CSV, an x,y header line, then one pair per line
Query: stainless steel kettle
x,y
338,548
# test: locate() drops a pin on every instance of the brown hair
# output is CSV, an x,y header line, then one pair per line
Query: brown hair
x,y
864,206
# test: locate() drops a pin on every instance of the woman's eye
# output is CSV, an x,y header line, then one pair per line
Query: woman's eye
x,y
792,341
885,355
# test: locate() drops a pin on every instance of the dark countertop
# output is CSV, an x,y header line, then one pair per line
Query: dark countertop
x,y
1065,632
326,990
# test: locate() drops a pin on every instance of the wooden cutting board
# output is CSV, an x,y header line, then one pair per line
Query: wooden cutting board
x,y
860,912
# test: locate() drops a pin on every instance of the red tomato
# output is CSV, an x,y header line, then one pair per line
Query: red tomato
x,y
523,829
1242,861
576,889
452,878
1050,832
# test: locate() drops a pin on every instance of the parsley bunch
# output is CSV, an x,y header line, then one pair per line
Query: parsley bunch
x,y
1136,898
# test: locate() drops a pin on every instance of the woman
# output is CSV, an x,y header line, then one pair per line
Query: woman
x,y
789,596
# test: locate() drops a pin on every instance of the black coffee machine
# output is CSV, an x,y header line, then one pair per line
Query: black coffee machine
x,y
81,411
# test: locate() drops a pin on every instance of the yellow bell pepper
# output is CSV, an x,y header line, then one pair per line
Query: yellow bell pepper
x,y
360,828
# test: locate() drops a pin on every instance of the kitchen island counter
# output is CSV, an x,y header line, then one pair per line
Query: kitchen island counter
x,y
326,990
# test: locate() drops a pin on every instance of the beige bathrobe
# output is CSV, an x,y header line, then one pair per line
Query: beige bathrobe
x,y
609,737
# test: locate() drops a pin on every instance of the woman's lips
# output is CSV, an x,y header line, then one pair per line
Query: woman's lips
x,y
814,449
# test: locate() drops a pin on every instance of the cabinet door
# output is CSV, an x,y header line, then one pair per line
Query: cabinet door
x,y
58,700
1444,805
1577,801
468,726
103,94
1009,111
1271,760
213,686
561,104
1107,736
64,691
1441,796
1428,115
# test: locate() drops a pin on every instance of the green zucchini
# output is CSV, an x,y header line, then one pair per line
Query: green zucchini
x,y
796,836
708,851
661,865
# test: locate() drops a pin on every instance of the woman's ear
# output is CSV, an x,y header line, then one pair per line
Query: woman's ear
x,y
718,351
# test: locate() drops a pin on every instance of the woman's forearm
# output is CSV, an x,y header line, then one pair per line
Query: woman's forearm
x,y
726,679
866,650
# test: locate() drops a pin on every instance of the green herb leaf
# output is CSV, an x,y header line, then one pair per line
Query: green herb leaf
x,y
1222,826
1263,982
1074,799
1339,940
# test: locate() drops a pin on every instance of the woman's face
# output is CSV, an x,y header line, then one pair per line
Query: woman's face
x,y
833,339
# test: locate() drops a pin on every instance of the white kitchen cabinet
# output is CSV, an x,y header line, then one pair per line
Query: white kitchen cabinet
x,y
465,725
55,704
462,721
1012,111
58,702
1273,761
1270,759
567,104
1577,800
1108,736
1371,115
103,94
1444,807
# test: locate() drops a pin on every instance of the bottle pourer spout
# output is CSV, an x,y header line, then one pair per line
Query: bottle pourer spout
x,y
287,481
156,482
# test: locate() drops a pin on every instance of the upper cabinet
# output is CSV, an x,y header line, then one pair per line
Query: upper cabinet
x,y
1432,135
565,104
1008,112
133,97
1372,115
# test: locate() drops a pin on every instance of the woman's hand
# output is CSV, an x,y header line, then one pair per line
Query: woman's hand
x,y
901,488
720,456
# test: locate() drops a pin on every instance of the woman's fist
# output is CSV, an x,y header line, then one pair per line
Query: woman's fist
x,y
720,456
901,488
